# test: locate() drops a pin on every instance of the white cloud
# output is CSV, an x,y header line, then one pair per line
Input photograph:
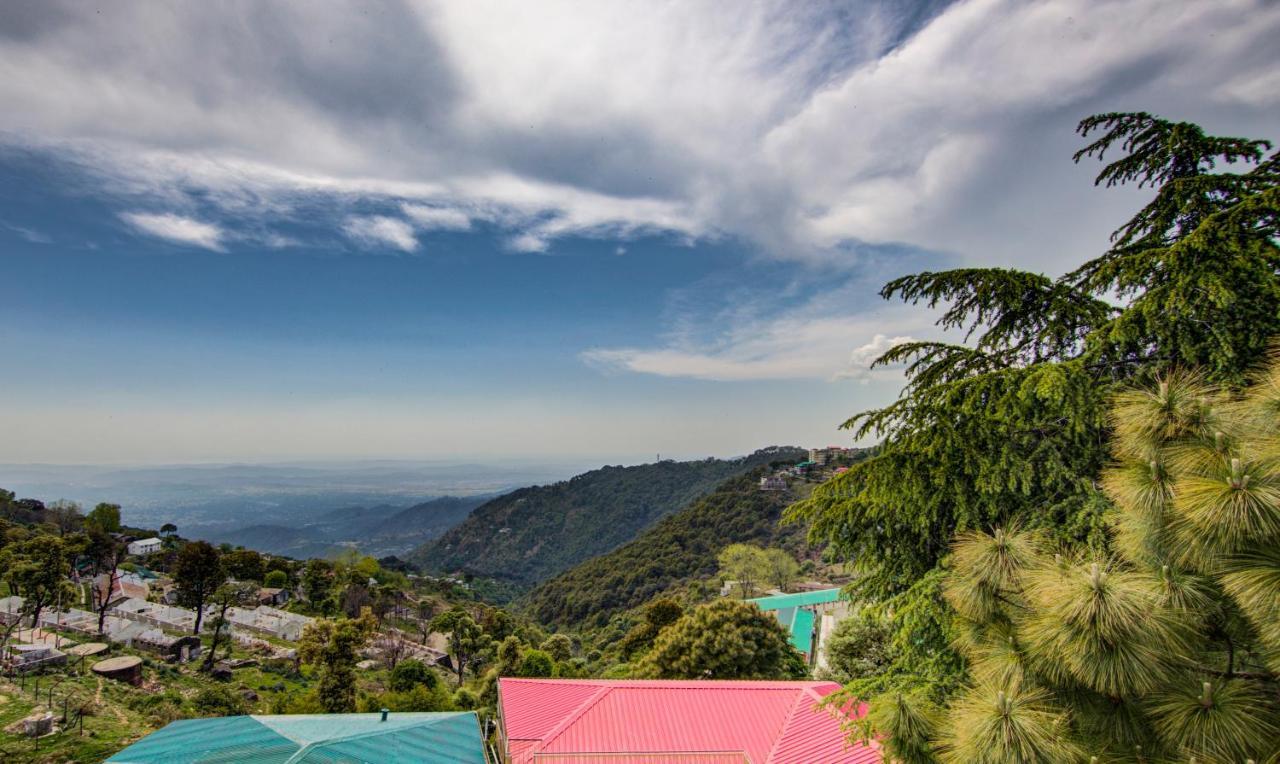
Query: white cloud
x,y
811,340
177,229
796,127
379,231
863,356
432,218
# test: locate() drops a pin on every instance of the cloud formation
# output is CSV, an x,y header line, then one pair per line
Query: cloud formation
x,y
795,128
433,218
176,229
802,131
381,231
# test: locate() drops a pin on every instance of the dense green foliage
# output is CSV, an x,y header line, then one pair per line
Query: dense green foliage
x,y
1164,651
467,639
726,639
678,548
1011,426
332,646
529,535
36,569
861,647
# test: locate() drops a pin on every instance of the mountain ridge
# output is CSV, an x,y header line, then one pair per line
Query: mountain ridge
x,y
534,533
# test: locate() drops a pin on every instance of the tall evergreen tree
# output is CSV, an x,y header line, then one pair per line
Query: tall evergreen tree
x,y
1166,649
1010,425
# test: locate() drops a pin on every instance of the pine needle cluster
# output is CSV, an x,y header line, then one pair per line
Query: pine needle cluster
x,y
1167,649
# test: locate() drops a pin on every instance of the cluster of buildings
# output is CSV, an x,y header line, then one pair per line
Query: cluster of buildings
x,y
824,460
159,628
549,721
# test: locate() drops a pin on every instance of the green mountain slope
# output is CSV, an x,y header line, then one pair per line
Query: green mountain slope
x,y
534,533
679,547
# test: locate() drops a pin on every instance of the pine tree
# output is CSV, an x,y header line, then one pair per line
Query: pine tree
x,y
1165,649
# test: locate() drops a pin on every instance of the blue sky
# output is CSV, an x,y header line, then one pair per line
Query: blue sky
x,y
412,230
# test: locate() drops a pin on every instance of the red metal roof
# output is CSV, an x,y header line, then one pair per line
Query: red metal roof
x,y
584,721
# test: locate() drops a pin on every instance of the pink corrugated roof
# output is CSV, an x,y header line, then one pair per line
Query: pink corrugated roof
x,y
641,758
673,722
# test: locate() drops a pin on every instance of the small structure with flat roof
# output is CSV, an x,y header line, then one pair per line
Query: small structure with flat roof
x,y
126,668
377,738
20,659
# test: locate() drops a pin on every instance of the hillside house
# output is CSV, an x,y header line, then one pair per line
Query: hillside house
x,y
773,483
176,648
824,456
155,614
270,622
123,586
646,721
143,547
273,597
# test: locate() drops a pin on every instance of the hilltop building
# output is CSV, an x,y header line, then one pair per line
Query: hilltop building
x,y
640,722
824,456
143,547
773,483
385,738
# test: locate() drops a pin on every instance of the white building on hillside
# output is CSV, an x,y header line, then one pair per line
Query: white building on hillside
x,y
145,546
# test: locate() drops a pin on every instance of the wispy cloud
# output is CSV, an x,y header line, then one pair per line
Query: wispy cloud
x,y
833,334
29,234
177,229
432,218
381,231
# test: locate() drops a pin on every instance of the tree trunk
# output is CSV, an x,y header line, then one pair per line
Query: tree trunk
x,y
199,615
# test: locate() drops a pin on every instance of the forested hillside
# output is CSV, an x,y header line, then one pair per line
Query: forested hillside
x,y
680,547
534,533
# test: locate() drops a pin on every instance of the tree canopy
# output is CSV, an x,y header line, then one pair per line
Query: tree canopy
x,y
1010,425
726,639
197,574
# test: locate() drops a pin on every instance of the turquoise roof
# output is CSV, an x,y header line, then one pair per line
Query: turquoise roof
x,y
802,630
799,599
429,738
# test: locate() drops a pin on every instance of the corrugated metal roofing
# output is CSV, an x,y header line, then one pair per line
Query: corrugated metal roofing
x,y
798,599
425,738
674,722
643,758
